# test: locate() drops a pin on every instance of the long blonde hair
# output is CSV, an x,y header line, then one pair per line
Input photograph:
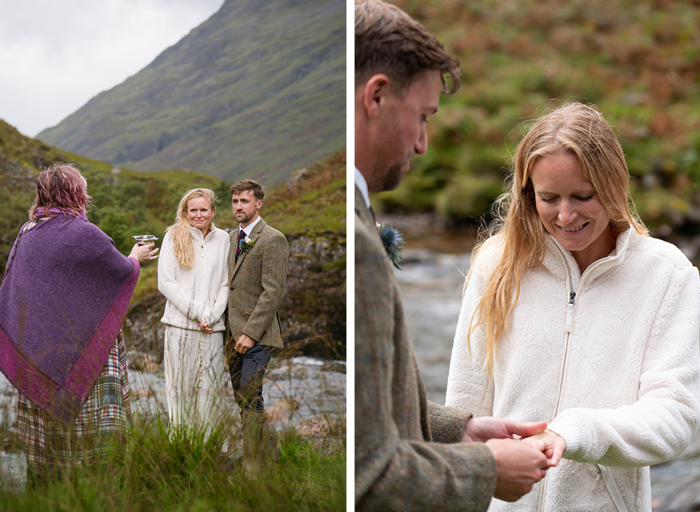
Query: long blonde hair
x,y
581,131
180,231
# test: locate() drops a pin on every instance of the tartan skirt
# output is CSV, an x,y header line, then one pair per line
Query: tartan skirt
x,y
50,447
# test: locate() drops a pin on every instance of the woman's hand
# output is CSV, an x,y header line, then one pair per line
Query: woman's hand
x,y
484,428
554,446
205,327
142,252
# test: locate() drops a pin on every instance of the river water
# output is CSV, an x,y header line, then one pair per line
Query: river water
x,y
431,286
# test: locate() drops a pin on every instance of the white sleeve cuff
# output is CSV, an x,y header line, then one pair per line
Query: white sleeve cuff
x,y
572,431
197,312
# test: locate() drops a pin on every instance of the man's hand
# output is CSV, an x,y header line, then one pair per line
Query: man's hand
x,y
518,467
554,446
244,344
485,428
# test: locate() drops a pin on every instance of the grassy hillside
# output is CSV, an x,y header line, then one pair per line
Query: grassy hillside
x,y
316,204
258,90
127,202
638,61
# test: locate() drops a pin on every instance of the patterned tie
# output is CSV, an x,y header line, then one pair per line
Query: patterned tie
x,y
241,241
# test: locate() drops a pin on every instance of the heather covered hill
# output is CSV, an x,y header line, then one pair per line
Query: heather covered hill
x,y
639,61
258,90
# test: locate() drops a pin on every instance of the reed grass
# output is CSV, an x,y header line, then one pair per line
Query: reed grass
x,y
157,470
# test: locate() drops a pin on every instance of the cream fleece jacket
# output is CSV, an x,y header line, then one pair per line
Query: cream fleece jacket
x,y
613,368
199,293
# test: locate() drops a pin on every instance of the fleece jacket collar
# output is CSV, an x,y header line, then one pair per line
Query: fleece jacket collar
x,y
561,263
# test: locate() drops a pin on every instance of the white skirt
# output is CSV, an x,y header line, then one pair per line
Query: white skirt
x,y
196,379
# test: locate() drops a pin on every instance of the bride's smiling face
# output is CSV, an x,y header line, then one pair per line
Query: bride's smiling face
x,y
569,208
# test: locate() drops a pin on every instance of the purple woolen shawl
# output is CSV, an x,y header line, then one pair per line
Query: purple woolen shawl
x,y
62,303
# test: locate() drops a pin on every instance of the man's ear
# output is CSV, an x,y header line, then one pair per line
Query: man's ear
x,y
374,94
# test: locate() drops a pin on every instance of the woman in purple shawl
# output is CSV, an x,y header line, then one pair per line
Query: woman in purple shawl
x,y
63,299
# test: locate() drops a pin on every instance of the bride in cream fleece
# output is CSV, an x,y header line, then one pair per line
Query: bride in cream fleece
x,y
574,315
193,276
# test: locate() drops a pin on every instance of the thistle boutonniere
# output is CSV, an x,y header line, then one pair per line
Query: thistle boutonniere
x,y
392,239
249,243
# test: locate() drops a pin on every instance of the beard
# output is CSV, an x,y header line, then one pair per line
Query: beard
x,y
245,219
391,178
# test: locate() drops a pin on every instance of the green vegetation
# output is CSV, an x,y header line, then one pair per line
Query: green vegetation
x,y
316,204
638,61
312,214
256,90
124,202
153,473
127,203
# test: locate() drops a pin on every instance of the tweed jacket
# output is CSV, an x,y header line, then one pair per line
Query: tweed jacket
x,y
402,457
256,286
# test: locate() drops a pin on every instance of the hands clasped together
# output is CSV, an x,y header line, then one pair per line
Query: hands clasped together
x,y
523,452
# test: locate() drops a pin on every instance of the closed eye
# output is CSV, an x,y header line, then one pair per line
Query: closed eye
x,y
547,199
585,198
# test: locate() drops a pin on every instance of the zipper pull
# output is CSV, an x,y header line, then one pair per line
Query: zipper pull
x,y
570,311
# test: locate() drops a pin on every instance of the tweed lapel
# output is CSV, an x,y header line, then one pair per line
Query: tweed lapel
x,y
254,235
362,211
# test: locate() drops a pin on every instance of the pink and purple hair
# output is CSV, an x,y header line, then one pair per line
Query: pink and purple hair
x,y
61,186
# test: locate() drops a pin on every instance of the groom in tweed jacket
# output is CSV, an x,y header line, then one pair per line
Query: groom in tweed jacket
x,y
410,454
257,270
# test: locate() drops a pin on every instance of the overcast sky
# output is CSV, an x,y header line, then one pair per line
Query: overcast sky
x,y
55,55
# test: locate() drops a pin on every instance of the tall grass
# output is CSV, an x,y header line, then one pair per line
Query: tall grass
x,y
161,468
160,471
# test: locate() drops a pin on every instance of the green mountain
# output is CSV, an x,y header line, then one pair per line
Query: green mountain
x,y
258,90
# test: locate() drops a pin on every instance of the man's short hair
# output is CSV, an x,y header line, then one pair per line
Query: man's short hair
x,y
389,41
253,185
